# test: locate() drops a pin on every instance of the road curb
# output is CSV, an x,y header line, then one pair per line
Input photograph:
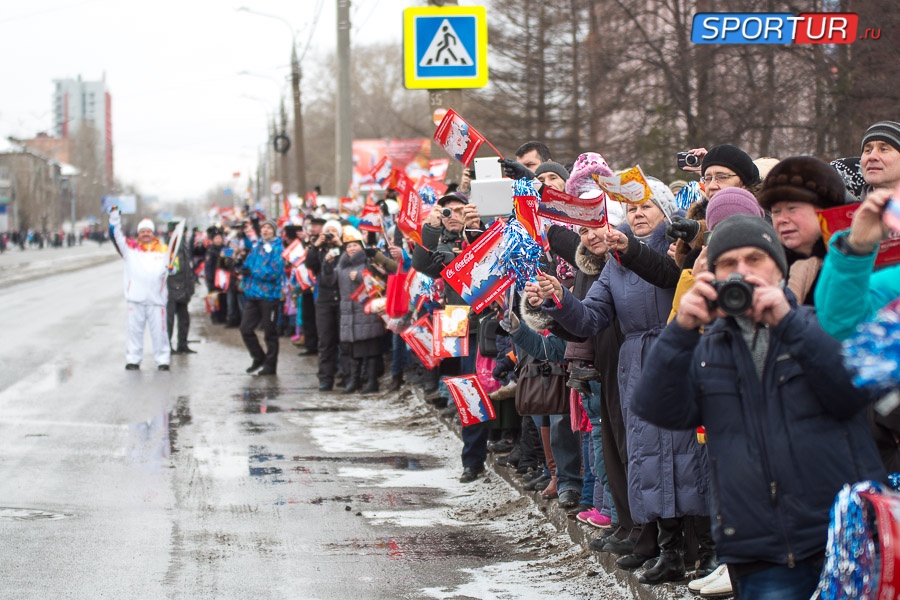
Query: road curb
x,y
579,533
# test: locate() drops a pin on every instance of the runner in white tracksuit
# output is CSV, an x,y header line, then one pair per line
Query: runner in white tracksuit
x,y
146,268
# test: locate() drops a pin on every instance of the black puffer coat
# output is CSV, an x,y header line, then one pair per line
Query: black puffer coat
x,y
356,325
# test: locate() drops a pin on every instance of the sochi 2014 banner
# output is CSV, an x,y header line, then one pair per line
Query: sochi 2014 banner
x,y
560,206
477,274
471,400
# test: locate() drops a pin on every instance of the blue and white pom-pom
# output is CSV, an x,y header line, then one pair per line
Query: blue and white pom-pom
x,y
873,354
524,187
520,255
688,195
851,569
428,195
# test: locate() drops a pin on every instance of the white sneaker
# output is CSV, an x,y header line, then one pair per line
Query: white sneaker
x,y
718,588
698,584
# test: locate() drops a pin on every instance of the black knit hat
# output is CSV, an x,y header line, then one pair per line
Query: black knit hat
x,y
739,231
552,167
803,179
886,131
735,159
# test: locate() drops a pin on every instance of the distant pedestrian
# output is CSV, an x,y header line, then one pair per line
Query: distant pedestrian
x,y
262,273
181,288
146,268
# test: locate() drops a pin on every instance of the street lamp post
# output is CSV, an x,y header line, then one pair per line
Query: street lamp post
x,y
296,76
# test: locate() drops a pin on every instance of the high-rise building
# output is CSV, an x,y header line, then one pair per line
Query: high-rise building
x,y
77,104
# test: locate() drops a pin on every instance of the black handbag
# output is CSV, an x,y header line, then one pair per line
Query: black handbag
x,y
487,336
541,388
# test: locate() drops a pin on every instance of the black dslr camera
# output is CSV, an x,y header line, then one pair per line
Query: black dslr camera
x,y
735,295
686,159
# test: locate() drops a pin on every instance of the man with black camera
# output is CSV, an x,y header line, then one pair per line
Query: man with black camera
x,y
312,231
321,260
785,427
262,272
450,225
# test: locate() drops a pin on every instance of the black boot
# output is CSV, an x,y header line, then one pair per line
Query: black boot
x,y
355,380
396,383
670,566
371,375
707,561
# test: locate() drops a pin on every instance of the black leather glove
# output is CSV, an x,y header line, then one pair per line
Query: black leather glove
x,y
682,229
503,367
371,252
516,170
438,259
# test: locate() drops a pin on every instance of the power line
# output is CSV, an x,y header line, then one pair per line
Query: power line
x,y
312,31
363,22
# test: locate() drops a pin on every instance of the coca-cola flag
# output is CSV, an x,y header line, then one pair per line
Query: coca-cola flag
x,y
295,253
418,337
458,138
384,173
477,274
410,215
370,217
471,400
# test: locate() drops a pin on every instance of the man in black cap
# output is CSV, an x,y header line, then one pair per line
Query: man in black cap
x,y
451,222
552,174
785,427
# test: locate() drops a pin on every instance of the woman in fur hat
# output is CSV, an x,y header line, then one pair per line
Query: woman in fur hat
x,y
361,332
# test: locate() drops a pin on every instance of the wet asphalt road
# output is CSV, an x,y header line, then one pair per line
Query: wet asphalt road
x,y
206,482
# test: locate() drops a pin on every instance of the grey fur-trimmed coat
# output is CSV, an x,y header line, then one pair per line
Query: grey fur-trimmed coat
x,y
667,470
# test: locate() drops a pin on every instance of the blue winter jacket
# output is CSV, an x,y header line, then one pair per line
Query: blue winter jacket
x,y
848,292
266,270
779,448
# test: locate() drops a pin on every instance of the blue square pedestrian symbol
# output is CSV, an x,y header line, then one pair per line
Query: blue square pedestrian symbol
x,y
445,47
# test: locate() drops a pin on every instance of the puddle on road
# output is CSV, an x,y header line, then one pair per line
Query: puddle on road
x,y
401,462
264,400
259,401
29,514
254,428
179,416
423,546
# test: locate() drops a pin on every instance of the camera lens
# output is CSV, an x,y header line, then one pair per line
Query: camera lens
x,y
692,160
735,296
446,213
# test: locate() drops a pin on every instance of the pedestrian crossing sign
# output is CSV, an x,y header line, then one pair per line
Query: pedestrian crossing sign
x,y
445,47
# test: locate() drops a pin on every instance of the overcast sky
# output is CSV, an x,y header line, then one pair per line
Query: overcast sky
x,y
182,121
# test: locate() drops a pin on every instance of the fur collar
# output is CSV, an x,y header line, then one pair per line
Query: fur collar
x,y
587,262
534,317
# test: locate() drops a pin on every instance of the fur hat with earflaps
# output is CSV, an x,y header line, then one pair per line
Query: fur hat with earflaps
x,y
803,179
